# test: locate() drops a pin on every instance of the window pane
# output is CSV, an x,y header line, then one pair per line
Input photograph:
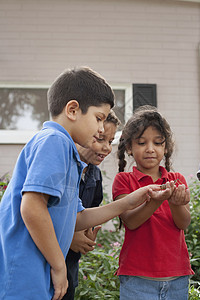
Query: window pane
x,y
119,108
144,94
23,109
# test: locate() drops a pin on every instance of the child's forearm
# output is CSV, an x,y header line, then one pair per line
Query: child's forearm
x,y
95,216
179,205
181,215
136,217
36,217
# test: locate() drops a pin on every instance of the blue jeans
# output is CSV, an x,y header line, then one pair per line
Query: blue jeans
x,y
136,288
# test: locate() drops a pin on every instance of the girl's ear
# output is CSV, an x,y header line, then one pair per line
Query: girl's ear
x,y
129,152
71,109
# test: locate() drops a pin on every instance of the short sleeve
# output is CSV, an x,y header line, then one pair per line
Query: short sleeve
x,y
80,205
47,168
121,185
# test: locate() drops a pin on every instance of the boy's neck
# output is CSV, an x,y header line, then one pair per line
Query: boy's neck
x,y
63,121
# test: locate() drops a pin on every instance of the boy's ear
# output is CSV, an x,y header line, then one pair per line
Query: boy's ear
x,y
71,109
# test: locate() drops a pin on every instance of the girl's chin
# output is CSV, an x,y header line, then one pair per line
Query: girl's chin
x,y
97,160
100,158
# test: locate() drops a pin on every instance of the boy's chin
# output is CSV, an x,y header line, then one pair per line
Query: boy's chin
x,y
86,145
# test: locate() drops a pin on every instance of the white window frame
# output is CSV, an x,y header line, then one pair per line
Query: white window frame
x,y
128,105
23,136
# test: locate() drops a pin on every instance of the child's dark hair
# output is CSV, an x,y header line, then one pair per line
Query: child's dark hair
x,y
142,118
112,118
84,85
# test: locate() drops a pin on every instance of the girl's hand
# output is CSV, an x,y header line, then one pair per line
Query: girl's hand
x,y
60,282
91,233
82,242
153,191
156,192
180,195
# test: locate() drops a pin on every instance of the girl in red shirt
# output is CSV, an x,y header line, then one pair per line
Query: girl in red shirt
x,y
154,261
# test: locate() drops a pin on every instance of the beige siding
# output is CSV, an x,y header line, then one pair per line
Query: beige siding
x,y
129,41
8,157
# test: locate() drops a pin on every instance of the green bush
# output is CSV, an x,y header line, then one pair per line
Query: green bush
x,y
4,180
194,293
192,234
97,268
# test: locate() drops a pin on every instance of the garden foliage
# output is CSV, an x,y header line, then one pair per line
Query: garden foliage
x,y
192,234
4,180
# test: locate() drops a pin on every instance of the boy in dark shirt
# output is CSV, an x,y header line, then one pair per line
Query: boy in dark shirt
x,y
91,194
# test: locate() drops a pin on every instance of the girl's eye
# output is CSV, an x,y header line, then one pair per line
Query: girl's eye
x,y
100,140
160,143
141,144
99,119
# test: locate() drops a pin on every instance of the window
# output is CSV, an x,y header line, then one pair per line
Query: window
x,y
24,109
144,94
123,102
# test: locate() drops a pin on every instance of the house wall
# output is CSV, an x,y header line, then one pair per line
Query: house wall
x,y
129,41
8,157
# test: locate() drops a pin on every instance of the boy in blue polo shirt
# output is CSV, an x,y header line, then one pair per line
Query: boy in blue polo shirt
x,y
41,207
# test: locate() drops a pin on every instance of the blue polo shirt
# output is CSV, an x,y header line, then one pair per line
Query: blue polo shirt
x,y
48,164
91,194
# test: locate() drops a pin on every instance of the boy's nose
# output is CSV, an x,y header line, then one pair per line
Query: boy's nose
x,y
101,128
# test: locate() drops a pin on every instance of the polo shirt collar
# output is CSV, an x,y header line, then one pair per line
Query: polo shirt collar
x,y
139,175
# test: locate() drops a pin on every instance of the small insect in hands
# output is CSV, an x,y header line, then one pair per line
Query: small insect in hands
x,y
163,186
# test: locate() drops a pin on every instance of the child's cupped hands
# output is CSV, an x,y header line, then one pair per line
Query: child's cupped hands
x,y
180,195
150,192
156,192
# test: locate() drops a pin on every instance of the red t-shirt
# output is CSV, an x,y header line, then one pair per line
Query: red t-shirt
x,y
157,248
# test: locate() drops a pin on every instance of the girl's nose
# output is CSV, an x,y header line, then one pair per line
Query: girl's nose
x,y
150,148
107,147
